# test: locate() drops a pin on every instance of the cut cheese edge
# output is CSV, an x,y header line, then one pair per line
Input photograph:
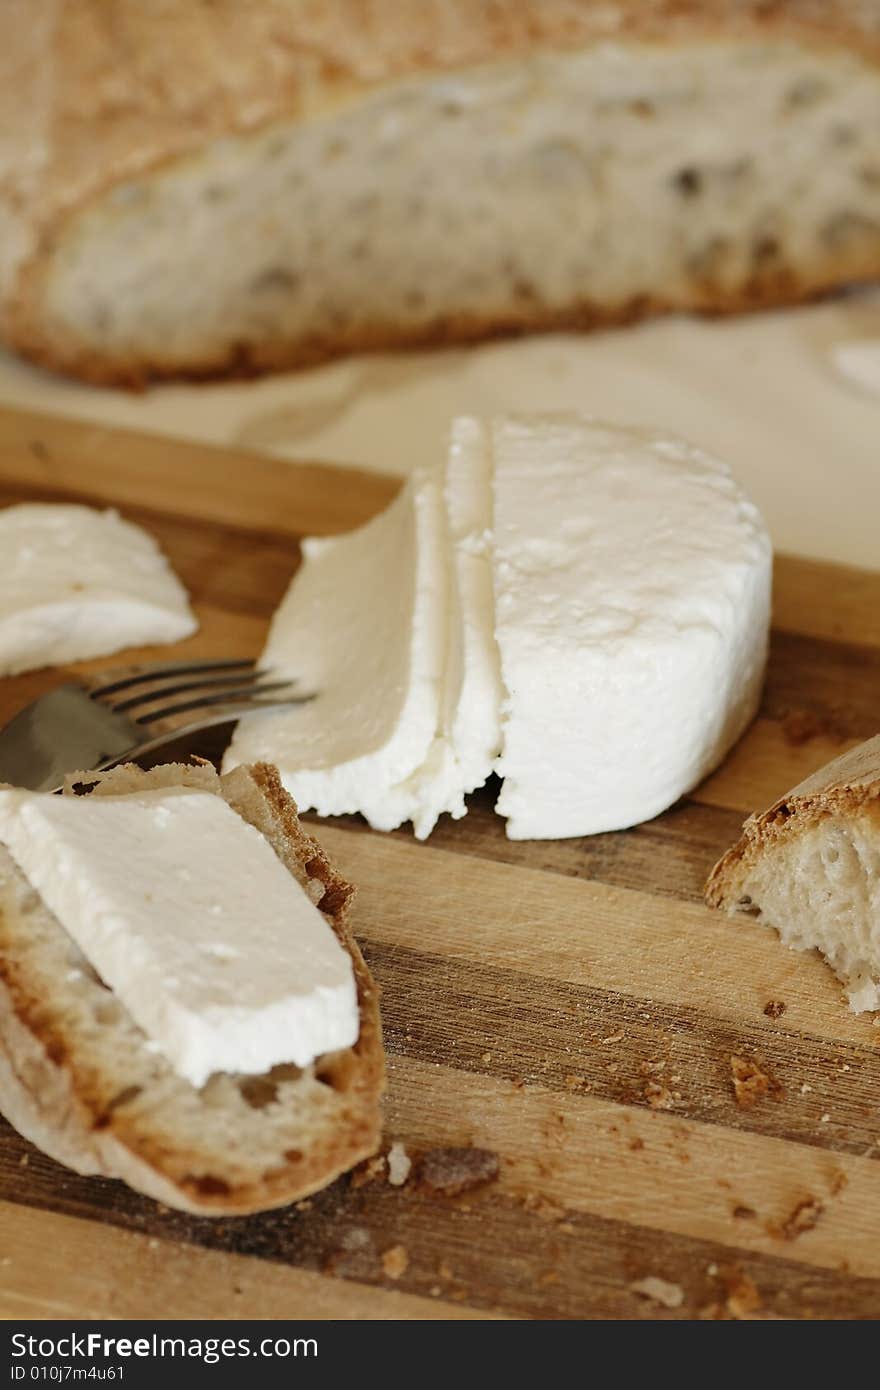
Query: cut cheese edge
x,y
632,593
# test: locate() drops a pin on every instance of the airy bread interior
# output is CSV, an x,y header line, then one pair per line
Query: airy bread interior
x,y
810,867
79,1078
569,187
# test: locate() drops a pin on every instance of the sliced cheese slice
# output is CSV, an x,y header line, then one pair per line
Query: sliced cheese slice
x,y
632,593
467,741
363,625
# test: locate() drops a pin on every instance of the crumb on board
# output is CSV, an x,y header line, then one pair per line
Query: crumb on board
x,y
658,1097
369,1171
357,1238
752,1082
399,1164
451,1171
775,1008
544,1207
395,1262
573,1082
802,1218
660,1291
800,726
743,1296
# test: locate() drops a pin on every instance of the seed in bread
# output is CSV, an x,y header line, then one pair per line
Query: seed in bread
x,y
810,867
78,1078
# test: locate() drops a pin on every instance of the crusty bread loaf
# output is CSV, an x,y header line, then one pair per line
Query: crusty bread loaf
x,y
204,188
77,1078
810,867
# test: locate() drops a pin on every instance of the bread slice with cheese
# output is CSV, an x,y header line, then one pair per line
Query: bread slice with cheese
x,y
222,188
810,867
79,1078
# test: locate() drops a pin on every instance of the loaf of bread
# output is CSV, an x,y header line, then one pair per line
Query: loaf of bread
x,y
810,867
198,188
78,1078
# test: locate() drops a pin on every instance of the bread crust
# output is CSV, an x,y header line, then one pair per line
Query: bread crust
x,y
848,785
67,1112
99,91
246,361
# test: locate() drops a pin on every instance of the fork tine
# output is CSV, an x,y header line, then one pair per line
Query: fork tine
x,y
164,692
163,671
243,697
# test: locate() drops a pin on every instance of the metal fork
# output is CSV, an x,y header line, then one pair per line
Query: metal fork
x,y
91,724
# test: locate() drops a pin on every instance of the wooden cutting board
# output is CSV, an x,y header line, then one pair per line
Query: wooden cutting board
x,y
570,1005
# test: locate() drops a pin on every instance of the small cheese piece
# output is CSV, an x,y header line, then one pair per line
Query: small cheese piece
x,y
190,918
77,583
463,753
632,592
364,626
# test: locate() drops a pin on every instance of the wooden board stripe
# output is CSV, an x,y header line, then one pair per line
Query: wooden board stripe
x,y
90,1276
570,1190
667,856
56,457
587,1260
568,1038
616,939
653,1169
818,599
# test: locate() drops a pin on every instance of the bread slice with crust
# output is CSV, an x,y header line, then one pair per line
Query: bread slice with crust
x,y
810,867
78,1078
286,181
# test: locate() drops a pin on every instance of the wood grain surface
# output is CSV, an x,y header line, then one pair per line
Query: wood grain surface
x,y
571,1006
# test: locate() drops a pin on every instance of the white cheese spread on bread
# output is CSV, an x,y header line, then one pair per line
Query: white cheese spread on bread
x,y
632,599
77,583
191,919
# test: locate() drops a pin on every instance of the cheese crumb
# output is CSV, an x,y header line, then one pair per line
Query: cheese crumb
x,y
659,1291
399,1165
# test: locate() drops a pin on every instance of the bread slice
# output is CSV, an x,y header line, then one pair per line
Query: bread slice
x,y
282,182
810,867
77,1078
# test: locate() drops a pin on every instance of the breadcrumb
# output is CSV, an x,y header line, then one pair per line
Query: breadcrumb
x,y
395,1262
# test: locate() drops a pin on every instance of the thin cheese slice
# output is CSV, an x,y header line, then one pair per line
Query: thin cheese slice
x,y
363,625
463,752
